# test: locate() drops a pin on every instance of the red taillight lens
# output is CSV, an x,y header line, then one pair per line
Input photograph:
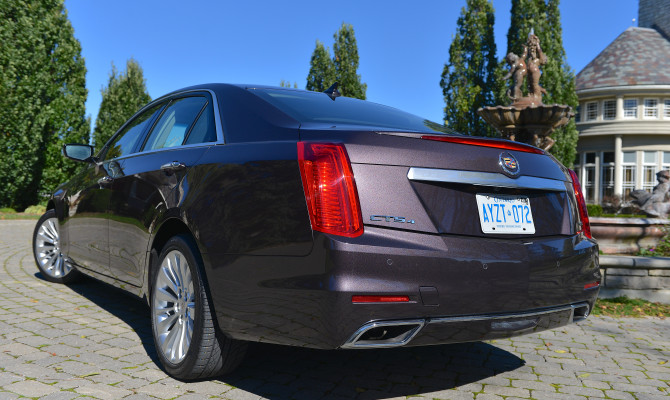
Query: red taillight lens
x,y
592,285
379,299
476,141
581,204
330,189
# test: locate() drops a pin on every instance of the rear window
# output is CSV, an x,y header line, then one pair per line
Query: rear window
x,y
317,107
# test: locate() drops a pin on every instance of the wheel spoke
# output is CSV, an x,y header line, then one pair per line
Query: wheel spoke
x,y
166,296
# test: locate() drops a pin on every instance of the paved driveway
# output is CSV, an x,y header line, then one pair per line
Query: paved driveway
x,y
90,341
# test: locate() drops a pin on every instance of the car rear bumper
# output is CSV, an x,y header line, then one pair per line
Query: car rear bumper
x,y
459,289
465,328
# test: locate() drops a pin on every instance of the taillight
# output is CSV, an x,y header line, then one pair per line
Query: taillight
x,y
330,189
581,204
592,285
379,299
477,141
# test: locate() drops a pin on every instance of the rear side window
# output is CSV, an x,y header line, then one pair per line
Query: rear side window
x,y
204,129
175,123
126,141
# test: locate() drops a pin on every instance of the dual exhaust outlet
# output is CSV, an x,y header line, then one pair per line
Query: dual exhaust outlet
x,y
382,334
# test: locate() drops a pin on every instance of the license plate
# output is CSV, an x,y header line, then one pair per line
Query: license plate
x,y
501,213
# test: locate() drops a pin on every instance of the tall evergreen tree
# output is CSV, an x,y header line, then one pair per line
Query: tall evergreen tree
x,y
125,94
557,76
346,63
468,79
42,98
321,71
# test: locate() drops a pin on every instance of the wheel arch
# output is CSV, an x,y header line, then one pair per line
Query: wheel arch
x,y
169,228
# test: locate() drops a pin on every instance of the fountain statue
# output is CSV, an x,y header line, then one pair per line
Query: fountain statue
x,y
657,203
527,119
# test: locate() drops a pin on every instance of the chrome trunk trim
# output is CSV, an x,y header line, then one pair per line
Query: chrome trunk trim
x,y
484,179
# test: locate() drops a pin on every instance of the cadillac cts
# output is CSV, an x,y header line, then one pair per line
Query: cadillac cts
x,y
248,213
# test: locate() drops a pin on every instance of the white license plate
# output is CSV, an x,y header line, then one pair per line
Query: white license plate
x,y
502,213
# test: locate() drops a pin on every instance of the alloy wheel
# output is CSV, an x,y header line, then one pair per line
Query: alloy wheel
x,y
174,307
48,251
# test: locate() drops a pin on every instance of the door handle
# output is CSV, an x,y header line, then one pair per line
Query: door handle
x,y
105,180
172,166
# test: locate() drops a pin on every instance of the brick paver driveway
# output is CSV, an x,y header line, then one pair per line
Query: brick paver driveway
x,y
91,341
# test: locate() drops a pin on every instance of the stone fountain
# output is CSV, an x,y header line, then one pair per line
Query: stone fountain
x,y
527,119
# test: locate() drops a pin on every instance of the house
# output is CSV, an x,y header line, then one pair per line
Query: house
x,y
623,116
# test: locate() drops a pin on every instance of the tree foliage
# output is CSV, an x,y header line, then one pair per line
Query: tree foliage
x,y
42,98
125,94
468,79
287,84
346,63
321,69
557,76
342,67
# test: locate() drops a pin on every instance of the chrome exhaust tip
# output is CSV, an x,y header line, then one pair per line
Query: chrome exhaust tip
x,y
384,334
580,312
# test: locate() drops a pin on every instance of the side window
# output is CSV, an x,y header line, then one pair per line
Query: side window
x,y
125,142
204,130
174,124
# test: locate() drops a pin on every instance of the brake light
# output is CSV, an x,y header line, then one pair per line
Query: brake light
x,y
592,285
330,189
477,141
581,205
379,299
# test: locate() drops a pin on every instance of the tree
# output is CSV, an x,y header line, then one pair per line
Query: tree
x,y
287,84
346,63
124,95
557,77
42,98
468,79
321,71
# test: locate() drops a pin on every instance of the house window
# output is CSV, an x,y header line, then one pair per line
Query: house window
x,y
650,108
591,111
589,177
666,108
578,115
607,175
609,109
629,160
630,108
649,169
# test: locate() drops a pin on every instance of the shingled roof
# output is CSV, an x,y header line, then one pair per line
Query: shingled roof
x,y
639,56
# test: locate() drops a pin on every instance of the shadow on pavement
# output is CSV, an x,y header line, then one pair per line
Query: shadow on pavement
x,y
283,372
127,308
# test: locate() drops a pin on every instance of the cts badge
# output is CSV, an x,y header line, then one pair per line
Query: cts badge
x,y
508,163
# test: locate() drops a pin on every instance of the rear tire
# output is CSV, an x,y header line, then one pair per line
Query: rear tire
x,y
53,265
186,338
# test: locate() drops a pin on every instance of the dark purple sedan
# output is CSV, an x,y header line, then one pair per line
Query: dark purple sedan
x,y
247,213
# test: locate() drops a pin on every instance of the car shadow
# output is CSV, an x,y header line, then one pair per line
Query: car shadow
x,y
285,372
127,308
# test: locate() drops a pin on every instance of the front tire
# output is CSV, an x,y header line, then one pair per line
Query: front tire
x,y
53,265
186,339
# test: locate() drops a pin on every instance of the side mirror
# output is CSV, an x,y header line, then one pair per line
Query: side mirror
x,y
78,152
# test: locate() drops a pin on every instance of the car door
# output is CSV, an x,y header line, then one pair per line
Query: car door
x,y
89,203
150,183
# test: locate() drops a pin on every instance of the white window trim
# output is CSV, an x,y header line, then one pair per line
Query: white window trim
x,y
644,108
613,109
666,109
587,114
637,103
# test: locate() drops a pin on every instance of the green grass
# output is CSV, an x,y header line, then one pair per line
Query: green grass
x,y
625,307
19,216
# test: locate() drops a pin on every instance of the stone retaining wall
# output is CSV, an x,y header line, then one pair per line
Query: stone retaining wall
x,y
626,235
636,277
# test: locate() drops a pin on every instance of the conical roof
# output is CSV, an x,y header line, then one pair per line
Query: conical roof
x,y
639,56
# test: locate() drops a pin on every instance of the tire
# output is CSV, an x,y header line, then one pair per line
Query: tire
x,y
53,265
187,341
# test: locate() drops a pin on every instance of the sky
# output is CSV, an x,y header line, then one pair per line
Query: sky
x,y
403,45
